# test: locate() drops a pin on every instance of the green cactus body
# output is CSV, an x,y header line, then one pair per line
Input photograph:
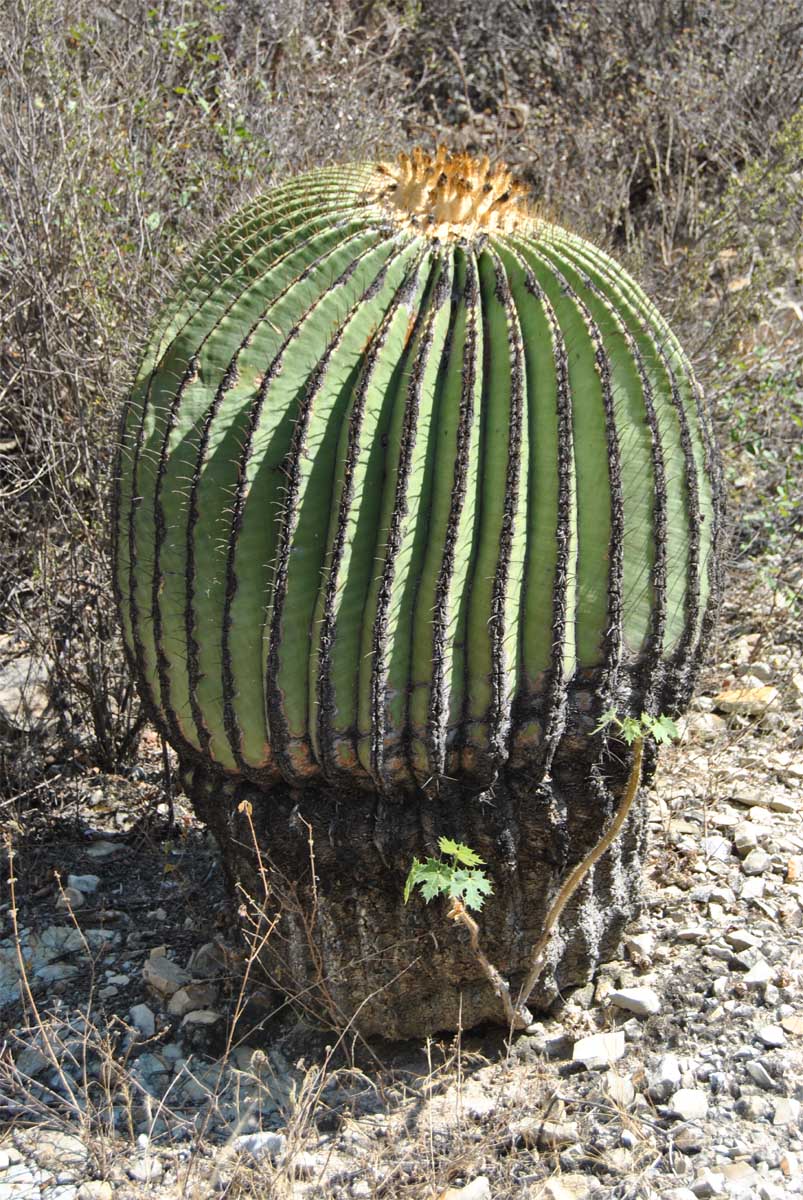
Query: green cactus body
x,y
408,474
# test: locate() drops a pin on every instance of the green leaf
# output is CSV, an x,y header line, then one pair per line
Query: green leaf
x,y
471,887
607,718
459,852
412,878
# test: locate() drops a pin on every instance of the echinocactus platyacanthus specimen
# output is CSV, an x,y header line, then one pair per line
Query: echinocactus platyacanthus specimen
x,y
413,484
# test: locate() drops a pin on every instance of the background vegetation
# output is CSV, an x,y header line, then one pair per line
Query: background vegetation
x,y
670,131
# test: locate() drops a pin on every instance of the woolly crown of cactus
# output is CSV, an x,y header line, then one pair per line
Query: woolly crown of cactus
x,y
409,478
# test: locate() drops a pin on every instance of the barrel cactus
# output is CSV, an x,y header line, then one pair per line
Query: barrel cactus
x,y
413,485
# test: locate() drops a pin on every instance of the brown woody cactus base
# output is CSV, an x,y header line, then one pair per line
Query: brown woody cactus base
x,y
351,951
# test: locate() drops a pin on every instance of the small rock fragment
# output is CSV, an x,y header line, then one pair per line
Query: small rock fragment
x,y
69,897
263,1144
793,1024
146,1169
642,1001
756,862
192,997
599,1049
747,702
95,1189
103,848
620,1089
143,1020
478,1189
786,1111
88,884
163,975
717,848
760,974
708,1183
690,1104
665,1079
760,1075
772,1036
202,1016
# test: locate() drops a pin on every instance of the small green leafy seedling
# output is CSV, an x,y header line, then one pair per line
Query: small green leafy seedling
x,y
458,875
661,729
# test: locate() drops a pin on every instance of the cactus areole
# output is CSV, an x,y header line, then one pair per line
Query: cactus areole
x,y
413,485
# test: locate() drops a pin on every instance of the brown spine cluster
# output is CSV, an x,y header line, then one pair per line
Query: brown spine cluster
x,y
452,196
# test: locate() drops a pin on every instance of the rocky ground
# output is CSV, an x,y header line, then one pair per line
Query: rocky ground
x,y
136,1061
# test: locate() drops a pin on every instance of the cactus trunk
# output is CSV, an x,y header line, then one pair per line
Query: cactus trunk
x,y
413,486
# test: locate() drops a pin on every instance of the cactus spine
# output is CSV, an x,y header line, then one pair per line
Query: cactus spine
x,y
413,484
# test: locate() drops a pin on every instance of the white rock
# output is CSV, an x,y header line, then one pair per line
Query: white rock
x,y
192,997
741,939
620,1089
599,1049
717,848
771,1035
753,888
201,1016
708,1183
640,944
690,1104
760,1075
571,1186
263,1144
679,1193
665,1079
745,837
88,884
756,862
59,1152
478,1189
95,1189
692,933
163,975
69,898
787,1111
642,1001
103,848
760,974
143,1019
146,1169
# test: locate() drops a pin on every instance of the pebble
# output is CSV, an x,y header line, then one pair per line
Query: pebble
x,y
69,897
599,1049
88,884
95,1189
263,1144
746,701
690,1104
642,1001
717,848
620,1089
786,1112
756,862
478,1189
192,997
772,1036
146,1169
759,974
103,848
708,1183
793,1023
143,1020
163,975
759,1074
58,1151
664,1079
